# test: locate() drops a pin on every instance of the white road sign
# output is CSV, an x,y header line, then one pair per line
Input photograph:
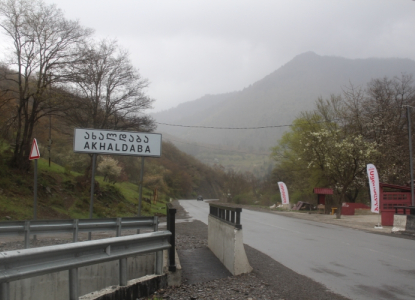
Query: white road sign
x,y
116,142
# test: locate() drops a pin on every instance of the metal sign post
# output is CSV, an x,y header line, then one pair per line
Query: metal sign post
x,y
34,155
91,202
141,186
140,193
35,192
408,111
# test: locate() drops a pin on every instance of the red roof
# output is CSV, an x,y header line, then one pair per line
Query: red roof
x,y
323,191
395,187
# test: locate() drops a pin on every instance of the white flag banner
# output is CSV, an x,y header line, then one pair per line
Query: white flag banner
x,y
284,193
373,176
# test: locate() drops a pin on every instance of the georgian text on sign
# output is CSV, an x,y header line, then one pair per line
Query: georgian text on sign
x,y
117,142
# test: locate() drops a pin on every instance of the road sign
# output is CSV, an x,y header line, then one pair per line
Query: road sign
x,y
98,141
34,151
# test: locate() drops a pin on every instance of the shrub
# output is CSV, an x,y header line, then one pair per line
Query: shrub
x,y
109,168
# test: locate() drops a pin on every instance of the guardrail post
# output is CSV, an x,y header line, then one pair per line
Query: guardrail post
x,y
75,230
118,231
73,284
171,226
238,218
123,271
156,224
26,234
123,261
5,291
159,263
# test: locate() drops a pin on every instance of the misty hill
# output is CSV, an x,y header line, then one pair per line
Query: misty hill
x,y
277,99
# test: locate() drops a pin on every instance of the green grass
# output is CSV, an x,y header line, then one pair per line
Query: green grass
x,y
43,166
12,206
61,196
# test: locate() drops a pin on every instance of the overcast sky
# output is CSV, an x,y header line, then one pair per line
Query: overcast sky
x,y
189,48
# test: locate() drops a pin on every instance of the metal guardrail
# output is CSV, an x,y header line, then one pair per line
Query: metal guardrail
x,y
227,214
404,208
171,226
36,227
21,264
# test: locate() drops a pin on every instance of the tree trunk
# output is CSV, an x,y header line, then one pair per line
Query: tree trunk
x,y
26,124
340,201
339,207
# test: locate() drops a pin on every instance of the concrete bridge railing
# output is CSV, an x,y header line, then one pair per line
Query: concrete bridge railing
x,y
402,222
225,238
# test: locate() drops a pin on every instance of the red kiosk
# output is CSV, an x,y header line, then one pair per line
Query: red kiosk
x,y
348,208
321,197
392,195
321,194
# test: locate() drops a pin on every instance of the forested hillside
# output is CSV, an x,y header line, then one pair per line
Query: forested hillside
x,y
57,77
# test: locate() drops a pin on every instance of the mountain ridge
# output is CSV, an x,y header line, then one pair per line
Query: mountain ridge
x,y
276,99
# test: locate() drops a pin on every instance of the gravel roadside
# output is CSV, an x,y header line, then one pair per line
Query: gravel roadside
x,y
268,280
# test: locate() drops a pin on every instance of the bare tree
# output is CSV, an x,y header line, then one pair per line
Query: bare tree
x,y
378,114
43,45
109,91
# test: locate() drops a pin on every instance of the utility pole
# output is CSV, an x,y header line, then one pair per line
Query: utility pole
x,y
50,136
408,113
50,119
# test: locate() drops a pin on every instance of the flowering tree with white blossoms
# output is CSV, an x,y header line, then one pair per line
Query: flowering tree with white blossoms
x,y
109,168
342,158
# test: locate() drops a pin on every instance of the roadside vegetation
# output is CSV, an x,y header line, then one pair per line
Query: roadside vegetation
x,y
56,77
61,195
331,146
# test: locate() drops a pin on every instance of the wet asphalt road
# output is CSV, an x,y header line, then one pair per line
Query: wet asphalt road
x,y
352,263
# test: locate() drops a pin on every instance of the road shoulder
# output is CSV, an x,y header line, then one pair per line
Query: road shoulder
x,y
268,280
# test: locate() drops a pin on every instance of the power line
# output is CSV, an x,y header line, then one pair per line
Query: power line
x,y
232,128
261,127
243,128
